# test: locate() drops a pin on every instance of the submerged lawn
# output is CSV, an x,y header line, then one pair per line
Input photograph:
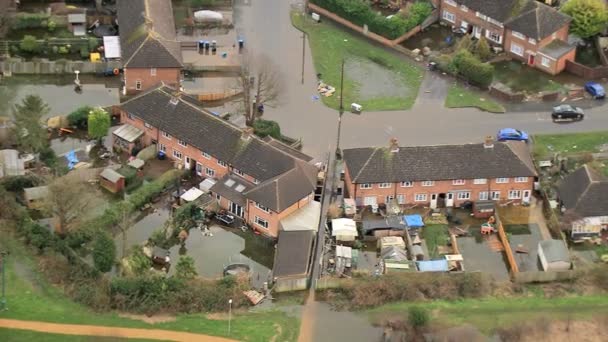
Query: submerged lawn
x,y
330,45
459,97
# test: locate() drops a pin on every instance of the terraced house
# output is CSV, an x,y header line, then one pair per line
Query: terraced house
x,y
439,176
264,182
527,30
150,51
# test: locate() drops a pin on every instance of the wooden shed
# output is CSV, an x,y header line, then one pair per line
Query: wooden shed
x,y
112,180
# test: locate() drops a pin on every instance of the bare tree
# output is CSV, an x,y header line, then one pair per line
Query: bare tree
x,y
5,13
126,221
261,85
67,200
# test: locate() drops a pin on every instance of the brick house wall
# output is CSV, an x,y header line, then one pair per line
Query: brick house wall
x,y
531,48
469,16
149,77
273,218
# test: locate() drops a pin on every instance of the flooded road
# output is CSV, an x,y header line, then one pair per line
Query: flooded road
x,y
58,92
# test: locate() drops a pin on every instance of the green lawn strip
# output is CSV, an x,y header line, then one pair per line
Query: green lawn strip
x,y
15,335
459,97
435,235
489,314
35,300
547,144
330,46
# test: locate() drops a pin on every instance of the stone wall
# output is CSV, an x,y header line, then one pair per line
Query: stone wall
x,y
18,66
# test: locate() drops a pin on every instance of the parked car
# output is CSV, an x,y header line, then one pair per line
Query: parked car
x,y
595,90
225,218
511,134
567,112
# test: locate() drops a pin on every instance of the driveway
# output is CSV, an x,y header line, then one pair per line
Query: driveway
x,y
267,28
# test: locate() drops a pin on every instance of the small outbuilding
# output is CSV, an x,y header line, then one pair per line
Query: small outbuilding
x,y
483,209
389,241
344,229
77,23
553,255
35,197
112,180
127,137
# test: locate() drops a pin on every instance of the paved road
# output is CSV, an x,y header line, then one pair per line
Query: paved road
x,y
267,28
96,330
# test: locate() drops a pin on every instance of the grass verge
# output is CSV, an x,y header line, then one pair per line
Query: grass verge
x,y
489,314
330,45
30,297
459,97
588,142
434,236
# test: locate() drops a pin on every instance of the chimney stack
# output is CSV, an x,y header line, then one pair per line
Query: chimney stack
x,y
489,142
247,133
393,145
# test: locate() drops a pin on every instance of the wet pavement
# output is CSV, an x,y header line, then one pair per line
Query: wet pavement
x,y
478,256
528,243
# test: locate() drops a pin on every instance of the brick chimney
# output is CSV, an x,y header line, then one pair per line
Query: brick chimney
x,y
488,142
393,145
247,133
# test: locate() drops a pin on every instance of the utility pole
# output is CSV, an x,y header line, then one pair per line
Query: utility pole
x,y
3,265
341,112
303,54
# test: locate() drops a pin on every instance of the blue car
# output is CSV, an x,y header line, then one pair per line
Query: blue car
x,y
511,134
595,89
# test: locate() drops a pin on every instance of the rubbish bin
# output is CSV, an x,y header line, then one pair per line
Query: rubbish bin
x,y
161,155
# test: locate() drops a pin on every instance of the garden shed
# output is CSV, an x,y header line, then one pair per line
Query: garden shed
x,y
77,23
553,255
112,180
35,197
344,229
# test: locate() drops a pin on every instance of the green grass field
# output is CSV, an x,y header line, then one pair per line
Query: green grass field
x,y
30,297
435,235
547,144
489,314
14,335
330,45
459,97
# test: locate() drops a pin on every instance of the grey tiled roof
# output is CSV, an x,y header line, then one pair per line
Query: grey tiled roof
x,y
147,34
293,253
539,22
556,48
232,187
500,10
585,192
283,178
442,162
285,148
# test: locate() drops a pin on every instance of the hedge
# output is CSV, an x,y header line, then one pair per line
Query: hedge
x,y
264,128
361,13
474,70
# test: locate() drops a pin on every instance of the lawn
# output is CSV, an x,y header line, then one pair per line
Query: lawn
x,y
14,335
547,144
375,77
459,97
30,297
489,314
520,77
435,235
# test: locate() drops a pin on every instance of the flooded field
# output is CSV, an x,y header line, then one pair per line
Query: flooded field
x,y
434,37
58,92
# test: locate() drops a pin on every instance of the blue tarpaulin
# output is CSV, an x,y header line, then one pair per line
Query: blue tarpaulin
x,y
72,159
440,265
413,221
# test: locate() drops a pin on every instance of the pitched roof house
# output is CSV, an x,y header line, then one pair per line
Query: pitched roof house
x,y
149,47
585,193
256,180
442,175
528,30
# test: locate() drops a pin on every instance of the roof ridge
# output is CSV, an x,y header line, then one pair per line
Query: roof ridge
x,y
511,148
160,39
365,164
138,48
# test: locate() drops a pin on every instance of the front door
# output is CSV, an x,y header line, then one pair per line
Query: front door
x,y
464,25
449,199
526,197
531,59
236,209
433,201
477,32
188,161
199,169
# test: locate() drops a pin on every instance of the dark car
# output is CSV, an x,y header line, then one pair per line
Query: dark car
x,y
595,90
225,218
566,112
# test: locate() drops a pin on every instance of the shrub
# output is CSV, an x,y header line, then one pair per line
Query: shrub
x,y
93,43
79,117
418,316
263,128
48,157
63,50
104,252
185,268
473,69
444,63
482,49
51,26
84,51
29,44
30,21
18,183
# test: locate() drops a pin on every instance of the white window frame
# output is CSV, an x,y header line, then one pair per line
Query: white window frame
x,y
365,186
221,163
178,154
480,181
518,35
546,62
180,142
389,198
532,41
451,2
517,49
493,21
261,222
262,208
162,147
483,195
495,195
479,15
458,182
464,8
206,155
138,85
152,71
256,181
238,172
400,199
502,180
428,183
463,195
521,179
209,172
384,185
490,35
407,184
218,197
147,125
420,197
448,16
514,194
165,135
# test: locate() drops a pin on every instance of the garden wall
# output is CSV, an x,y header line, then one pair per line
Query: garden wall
x,y
505,94
585,71
46,67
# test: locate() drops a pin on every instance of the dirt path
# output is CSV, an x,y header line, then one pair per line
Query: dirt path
x,y
95,330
